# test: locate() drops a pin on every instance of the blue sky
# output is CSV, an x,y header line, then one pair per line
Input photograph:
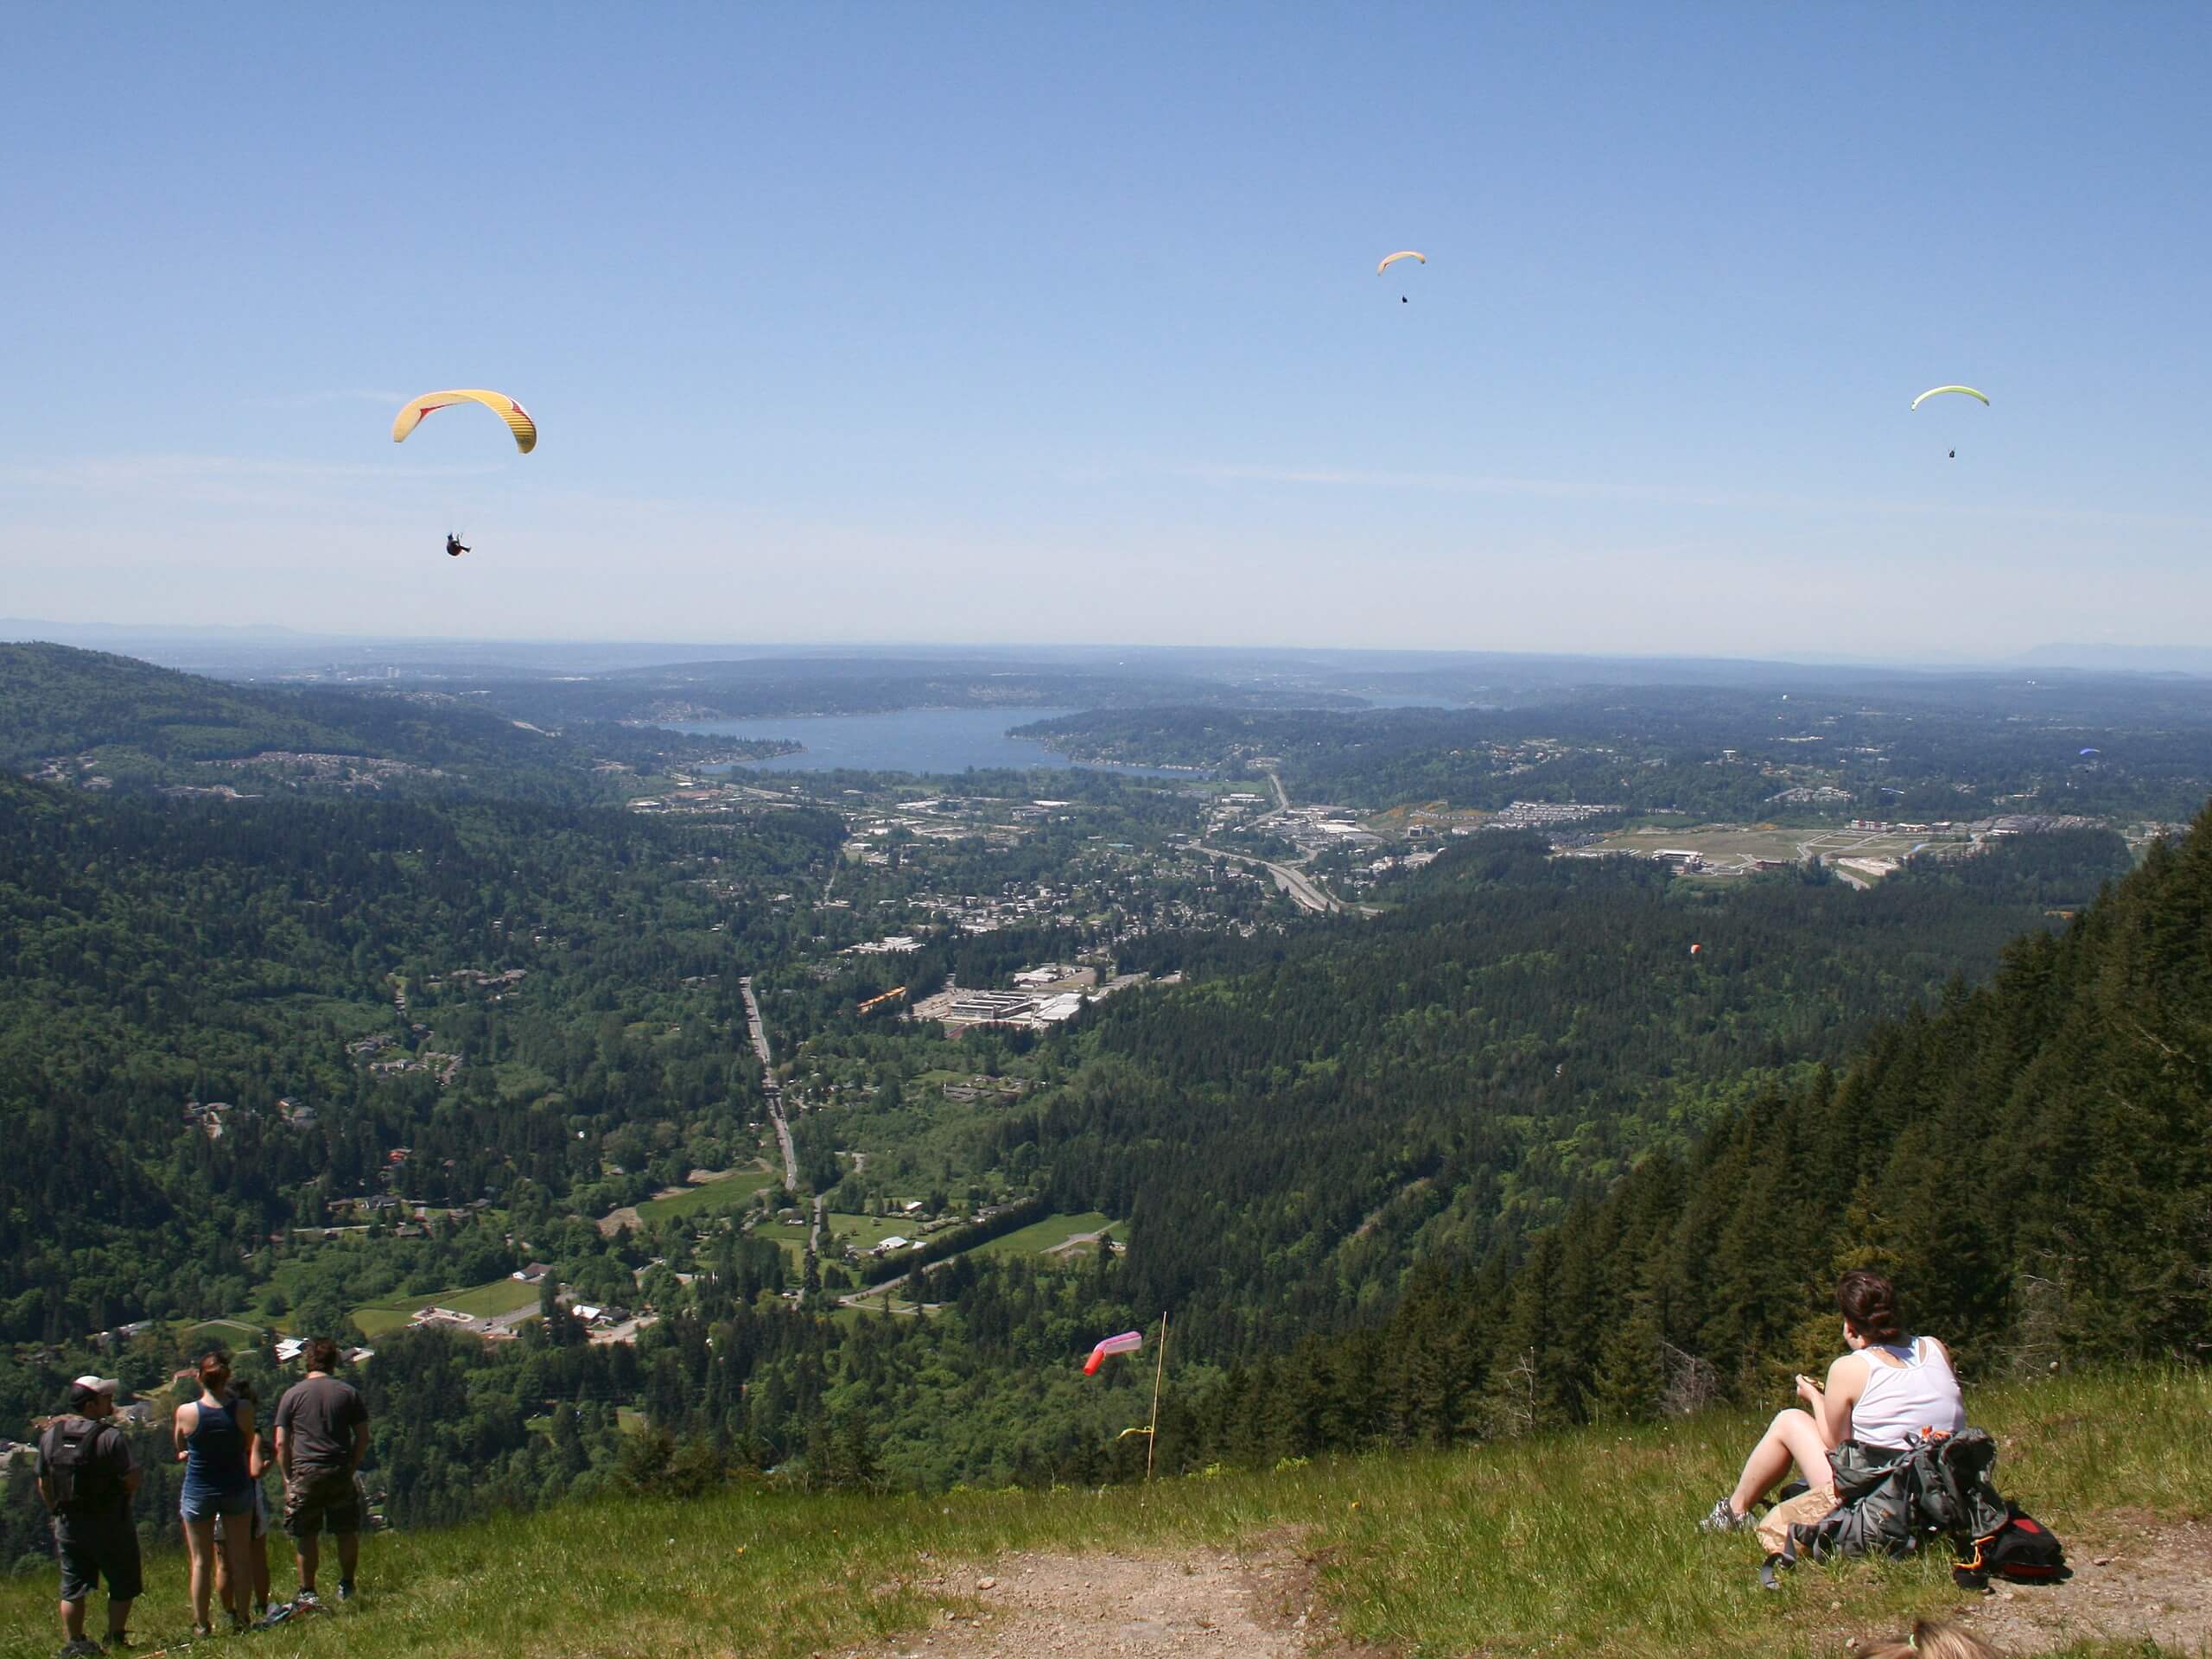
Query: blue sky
x,y
1061,323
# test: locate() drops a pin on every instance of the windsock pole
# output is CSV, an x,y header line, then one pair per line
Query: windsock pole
x,y
1160,1371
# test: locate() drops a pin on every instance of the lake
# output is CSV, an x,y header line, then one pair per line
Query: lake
x,y
908,739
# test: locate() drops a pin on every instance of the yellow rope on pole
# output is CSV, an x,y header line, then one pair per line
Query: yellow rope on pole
x,y
1152,1434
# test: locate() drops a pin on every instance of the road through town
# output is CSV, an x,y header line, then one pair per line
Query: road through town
x,y
769,1086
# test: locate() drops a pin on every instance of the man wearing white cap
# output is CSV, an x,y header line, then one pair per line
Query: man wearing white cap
x,y
85,1478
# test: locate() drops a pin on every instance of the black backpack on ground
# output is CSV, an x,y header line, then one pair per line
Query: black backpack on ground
x,y
74,1471
2022,1550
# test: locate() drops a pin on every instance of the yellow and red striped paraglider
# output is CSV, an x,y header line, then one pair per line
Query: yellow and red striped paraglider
x,y
516,417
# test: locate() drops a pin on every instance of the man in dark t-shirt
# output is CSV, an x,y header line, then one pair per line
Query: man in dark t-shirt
x,y
322,1432
85,1478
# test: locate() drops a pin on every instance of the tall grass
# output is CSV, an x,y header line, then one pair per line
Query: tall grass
x,y
1583,1543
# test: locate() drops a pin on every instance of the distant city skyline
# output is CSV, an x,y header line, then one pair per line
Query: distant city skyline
x,y
992,325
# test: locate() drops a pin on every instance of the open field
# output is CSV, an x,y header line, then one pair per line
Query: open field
x,y
732,1191
864,1233
1729,848
1041,1236
236,1333
1577,1543
479,1301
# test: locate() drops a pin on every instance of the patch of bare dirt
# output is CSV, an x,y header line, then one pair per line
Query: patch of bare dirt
x,y
1207,1605
2135,1577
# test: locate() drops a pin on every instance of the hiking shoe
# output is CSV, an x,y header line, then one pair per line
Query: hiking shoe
x,y
345,1589
82,1646
306,1599
1721,1518
116,1641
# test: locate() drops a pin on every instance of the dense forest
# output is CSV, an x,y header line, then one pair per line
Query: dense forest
x,y
159,957
2032,1162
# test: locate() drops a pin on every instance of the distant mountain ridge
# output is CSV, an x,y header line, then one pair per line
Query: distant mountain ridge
x,y
2124,659
136,724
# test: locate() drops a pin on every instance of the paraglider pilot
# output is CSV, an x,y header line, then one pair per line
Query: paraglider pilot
x,y
454,549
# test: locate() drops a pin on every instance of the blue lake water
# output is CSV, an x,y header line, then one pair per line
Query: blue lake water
x,y
909,740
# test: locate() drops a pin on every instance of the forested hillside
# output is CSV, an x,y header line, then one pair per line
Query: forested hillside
x,y
1317,1112
161,955
88,718
2032,1162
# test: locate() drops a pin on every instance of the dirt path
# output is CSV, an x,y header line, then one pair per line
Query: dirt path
x,y
1209,1605
2134,1578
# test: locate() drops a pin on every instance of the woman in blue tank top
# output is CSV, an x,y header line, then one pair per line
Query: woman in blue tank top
x,y
215,1441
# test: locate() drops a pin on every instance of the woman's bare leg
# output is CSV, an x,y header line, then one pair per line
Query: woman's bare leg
x,y
200,1546
238,1569
1793,1437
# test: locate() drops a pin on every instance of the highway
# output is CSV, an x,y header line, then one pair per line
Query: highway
x,y
1302,891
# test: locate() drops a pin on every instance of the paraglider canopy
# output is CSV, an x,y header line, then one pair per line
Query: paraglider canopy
x,y
1937,391
1390,259
516,417
1695,949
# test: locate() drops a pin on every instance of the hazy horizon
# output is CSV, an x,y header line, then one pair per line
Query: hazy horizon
x,y
277,638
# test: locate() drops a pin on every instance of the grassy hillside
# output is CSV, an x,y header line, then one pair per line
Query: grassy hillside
x,y
1584,1543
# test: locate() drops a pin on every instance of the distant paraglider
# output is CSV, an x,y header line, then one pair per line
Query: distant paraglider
x,y
1695,949
1963,392
1388,260
2092,751
454,549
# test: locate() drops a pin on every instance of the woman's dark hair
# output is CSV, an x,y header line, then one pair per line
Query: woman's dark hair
x,y
214,1370
321,1355
1870,1302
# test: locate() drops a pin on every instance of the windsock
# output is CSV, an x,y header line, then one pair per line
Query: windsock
x,y
1128,1343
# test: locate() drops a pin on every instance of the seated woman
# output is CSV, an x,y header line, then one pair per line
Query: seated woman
x,y
1879,1397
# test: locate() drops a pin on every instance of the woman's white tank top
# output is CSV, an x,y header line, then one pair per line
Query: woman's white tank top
x,y
1899,1401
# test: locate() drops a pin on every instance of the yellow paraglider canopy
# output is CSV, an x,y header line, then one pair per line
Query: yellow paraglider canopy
x,y
516,417
1937,391
1392,260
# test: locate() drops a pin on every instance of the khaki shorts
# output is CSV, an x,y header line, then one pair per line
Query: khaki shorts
x,y
1802,1510
314,1497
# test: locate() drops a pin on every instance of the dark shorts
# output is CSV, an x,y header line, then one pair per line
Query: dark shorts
x,y
96,1547
317,1498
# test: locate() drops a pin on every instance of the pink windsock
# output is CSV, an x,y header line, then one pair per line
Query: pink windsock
x,y
1128,1343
